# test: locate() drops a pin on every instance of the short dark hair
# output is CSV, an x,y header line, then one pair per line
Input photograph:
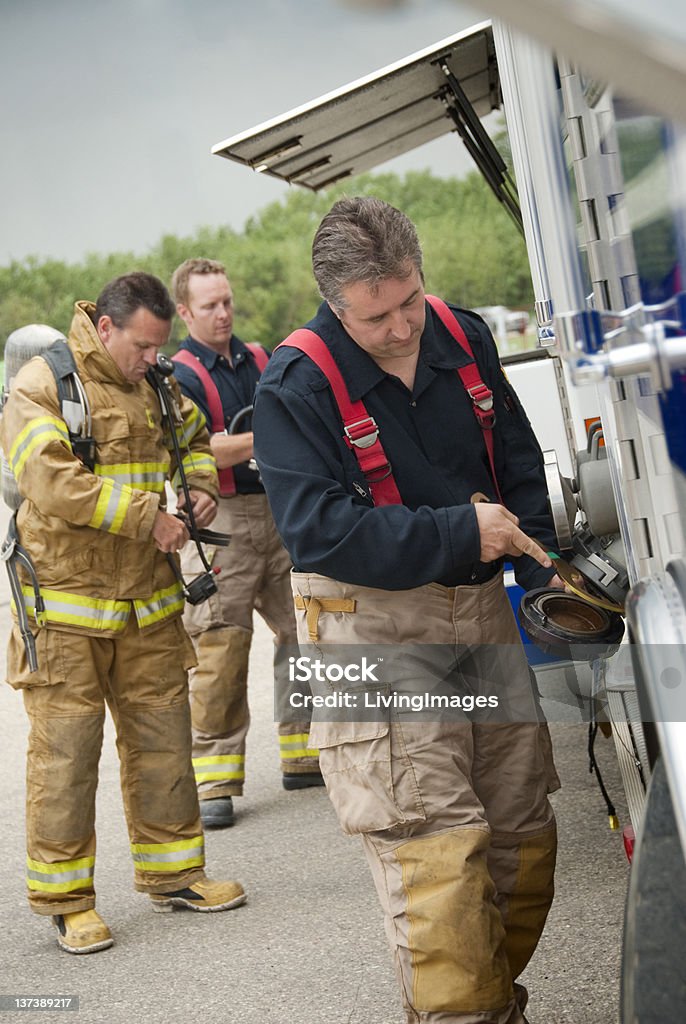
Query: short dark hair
x,y
123,296
363,239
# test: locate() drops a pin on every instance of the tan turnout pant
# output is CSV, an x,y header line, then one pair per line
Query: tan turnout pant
x,y
452,809
142,677
254,575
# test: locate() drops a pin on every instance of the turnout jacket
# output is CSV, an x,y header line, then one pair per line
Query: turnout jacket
x,y
89,533
321,501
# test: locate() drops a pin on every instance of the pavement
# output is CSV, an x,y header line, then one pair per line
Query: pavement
x,y
309,946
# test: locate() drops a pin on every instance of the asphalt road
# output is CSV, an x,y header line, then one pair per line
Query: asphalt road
x,y
308,947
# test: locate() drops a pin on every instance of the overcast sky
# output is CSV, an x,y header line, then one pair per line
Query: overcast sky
x,y
110,107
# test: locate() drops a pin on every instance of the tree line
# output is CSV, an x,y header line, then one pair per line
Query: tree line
x,y
473,256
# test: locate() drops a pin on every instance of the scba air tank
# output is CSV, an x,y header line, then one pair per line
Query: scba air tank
x,y
22,345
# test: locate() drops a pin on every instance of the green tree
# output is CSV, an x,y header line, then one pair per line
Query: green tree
x,y
473,256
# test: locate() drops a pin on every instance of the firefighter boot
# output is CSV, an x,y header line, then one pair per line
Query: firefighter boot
x,y
217,812
302,780
203,895
82,932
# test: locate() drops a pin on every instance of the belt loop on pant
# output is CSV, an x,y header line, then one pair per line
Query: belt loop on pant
x,y
315,605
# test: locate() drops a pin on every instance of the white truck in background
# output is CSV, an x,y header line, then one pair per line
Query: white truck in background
x,y
600,197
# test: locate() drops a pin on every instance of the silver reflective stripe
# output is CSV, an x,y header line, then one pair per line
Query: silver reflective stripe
x,y
214,769
113,503
296,746
198,461
60,876
190,427
83,612
143,480
147,481
159,606
294,741
101,615
65,876
171,857
31,437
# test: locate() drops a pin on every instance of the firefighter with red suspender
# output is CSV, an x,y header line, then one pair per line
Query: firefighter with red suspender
x,y
219,373
401,471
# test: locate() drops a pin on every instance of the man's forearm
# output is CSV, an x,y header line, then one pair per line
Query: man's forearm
x,y
231,449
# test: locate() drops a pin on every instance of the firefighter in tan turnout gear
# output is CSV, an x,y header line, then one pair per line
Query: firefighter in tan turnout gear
x,y
100,541
219,373
400,467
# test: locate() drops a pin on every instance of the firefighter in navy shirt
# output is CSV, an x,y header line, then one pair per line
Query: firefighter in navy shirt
x,y
401,471
219,373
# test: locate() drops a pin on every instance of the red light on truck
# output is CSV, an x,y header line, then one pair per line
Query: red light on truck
x,y
629,837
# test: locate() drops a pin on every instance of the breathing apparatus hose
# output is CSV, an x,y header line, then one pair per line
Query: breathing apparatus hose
x,y
233,429
12,552
238,419
204,585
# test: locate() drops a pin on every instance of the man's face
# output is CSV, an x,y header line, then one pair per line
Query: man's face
x,y
209,312
387,322
134,346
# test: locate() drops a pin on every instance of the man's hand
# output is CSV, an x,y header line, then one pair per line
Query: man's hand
x,y
231,449
500,535
204,507
168,532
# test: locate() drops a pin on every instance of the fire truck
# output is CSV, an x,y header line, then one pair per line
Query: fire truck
x,y
598,190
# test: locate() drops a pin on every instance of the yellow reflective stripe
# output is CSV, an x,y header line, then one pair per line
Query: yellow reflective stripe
x,y
177,856
159,606
199,460
295,745
238,776
60,866
112,505
177,865
120,468
78,610
101,613
177,844
144,476
220,759
193,423
295,738
199,464
216,768
78,883
63,876
36,432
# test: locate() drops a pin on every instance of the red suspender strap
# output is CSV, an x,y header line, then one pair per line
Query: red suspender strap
x,y
360,429
261,357
227,481
481,396
214,404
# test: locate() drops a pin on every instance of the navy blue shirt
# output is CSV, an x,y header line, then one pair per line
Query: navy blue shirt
x,y
320,498
236,386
